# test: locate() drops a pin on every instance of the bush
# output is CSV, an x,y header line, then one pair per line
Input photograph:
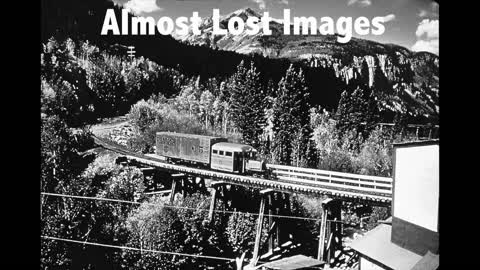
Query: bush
x,y
375,157
95,221
157,227
305,206
241,230
150,117
143,115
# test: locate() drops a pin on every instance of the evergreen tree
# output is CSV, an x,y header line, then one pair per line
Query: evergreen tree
x,y
357,111
247,100
291,120
109,88
206,108
400,121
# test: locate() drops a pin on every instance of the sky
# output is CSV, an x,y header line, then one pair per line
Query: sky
x,y
413,24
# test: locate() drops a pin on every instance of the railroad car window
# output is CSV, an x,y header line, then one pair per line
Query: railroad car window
x,y
215,151
221,152
228,154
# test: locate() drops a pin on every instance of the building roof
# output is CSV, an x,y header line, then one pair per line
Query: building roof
x,y
291,263
234,147
429,262
417,143
377,246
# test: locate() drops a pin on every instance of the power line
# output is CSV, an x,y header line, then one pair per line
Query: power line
x,y
136,249
147,250
180,207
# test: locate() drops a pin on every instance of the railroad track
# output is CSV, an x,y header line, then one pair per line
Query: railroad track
x,y
284,178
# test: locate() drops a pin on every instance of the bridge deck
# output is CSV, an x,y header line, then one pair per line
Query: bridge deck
x,y
287,178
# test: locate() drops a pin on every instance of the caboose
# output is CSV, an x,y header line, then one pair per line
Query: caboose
x,y
215,152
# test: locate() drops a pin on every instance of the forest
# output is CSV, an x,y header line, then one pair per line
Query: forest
x,y
76,91
83,20
84,81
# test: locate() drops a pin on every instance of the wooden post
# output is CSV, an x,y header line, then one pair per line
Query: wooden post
x,y
213,192
239,261
337,215
258,231
172,193
330,246
321,238
258,234
323,228
279,211
334,228
174,185
201,184
270,221
284,211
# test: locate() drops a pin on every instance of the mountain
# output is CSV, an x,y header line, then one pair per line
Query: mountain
x,y
409,81
403,81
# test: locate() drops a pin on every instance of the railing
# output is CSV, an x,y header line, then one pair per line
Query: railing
x,y
293,179
334,180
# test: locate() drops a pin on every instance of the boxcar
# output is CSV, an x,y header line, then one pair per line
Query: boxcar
x,y
186,147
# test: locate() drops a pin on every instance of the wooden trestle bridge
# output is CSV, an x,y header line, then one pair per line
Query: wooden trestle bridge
x,y
336,187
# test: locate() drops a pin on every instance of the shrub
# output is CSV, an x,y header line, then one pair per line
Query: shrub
x,y
150,117
143,115
375,157
157,227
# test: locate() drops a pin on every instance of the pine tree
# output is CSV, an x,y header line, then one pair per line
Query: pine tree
x,y
357,111
206,108
248,104
291,129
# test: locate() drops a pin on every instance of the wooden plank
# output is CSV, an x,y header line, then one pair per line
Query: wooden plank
x,y
265,191
215,183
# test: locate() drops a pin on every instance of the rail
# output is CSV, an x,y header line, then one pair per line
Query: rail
x,y
335,180
285,178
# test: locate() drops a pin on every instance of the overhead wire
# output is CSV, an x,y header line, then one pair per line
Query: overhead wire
x,y
147,250
167,206
136,249
181,207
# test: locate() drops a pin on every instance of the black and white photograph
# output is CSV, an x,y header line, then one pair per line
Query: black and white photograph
x,y
239,134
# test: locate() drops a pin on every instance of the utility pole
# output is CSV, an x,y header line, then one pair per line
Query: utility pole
x,y
131,52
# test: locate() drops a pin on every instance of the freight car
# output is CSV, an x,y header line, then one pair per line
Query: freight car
x,y
213,152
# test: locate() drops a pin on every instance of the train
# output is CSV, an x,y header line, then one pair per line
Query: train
x,y
215,153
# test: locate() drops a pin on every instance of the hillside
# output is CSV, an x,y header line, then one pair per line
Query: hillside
x,y
404,76
404,82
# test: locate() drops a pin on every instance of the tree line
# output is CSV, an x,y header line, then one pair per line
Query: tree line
x,y
81,83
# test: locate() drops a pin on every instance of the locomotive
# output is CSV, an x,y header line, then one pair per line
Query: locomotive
x,y
215,153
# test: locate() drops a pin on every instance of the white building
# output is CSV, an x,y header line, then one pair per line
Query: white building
x,y
410,238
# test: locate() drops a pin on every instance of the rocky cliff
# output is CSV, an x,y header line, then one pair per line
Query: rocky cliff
x,y
406,81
